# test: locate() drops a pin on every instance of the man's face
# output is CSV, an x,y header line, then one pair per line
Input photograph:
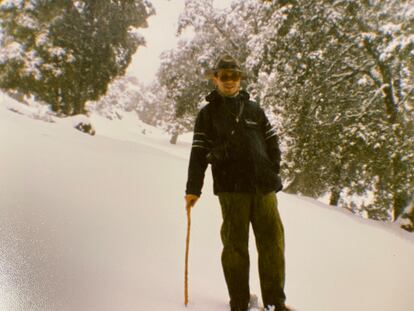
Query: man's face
x,y
227,81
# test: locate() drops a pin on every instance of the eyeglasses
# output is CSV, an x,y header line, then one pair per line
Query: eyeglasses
x,y
229,76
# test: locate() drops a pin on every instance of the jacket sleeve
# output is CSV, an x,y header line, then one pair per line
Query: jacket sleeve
x,y
198,162
272,141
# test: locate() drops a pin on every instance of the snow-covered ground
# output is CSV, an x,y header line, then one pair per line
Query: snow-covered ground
x,y
98,223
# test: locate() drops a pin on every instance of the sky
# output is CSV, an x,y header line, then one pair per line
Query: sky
x,y
160,36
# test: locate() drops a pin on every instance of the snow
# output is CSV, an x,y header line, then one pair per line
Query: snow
x,y
26,21
11,3
33,110
14,50
31,64
80,6
57,51
390,28
98,223
363,81
41,38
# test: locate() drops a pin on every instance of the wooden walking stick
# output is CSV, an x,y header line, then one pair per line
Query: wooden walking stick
x,y
187,248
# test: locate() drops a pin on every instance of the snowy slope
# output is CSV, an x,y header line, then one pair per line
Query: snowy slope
x,y
98,223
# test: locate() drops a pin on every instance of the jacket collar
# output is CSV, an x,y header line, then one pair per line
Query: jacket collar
x,y
214,96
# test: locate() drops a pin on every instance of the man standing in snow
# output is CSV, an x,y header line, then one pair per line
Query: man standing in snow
x,y
234,135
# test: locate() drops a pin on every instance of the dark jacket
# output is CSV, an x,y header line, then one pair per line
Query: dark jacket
x,y
244,154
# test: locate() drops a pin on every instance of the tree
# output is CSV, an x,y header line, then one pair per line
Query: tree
x,y
67,52
184,85
124,94
335,78
183,70
340,78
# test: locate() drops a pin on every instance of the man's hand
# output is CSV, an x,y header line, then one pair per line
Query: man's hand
x,y
191,199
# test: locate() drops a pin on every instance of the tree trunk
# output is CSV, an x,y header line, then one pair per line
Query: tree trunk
x,y
410,216
336,182
335,195
400,198
174,138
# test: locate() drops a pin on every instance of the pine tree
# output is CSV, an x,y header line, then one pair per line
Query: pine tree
x,y
341,81
67,52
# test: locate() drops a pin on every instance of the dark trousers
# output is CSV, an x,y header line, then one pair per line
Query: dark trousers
x,y
239,210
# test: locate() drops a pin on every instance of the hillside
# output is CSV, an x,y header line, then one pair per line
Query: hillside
x,y
98,223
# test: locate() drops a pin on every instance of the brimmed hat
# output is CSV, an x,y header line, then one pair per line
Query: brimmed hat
x,y
225,61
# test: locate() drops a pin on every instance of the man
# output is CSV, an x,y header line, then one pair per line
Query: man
x,y
234,135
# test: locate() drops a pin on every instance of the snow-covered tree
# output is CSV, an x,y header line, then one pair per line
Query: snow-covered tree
x,y
124,94
183,69
333,72
67,52
182,79
336,78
